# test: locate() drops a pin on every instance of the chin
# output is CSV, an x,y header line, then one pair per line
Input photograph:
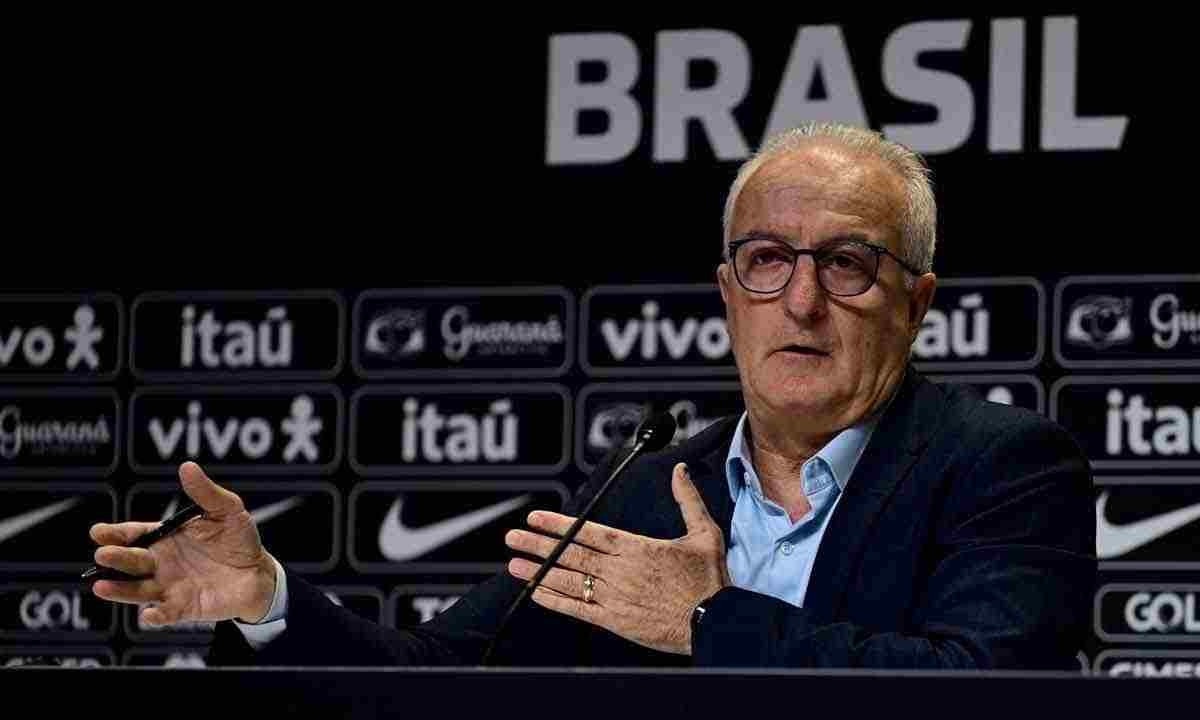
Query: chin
x,y
802,398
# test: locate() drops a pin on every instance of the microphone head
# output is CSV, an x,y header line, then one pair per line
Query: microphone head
x,y
656,431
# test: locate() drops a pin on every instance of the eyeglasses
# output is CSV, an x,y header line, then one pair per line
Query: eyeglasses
x,y
844,267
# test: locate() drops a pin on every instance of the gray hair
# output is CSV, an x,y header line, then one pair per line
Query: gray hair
x,y
918,226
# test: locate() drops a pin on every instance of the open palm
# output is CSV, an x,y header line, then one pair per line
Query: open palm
x,y
214,568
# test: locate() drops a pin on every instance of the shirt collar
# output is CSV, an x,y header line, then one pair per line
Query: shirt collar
x,y
839,456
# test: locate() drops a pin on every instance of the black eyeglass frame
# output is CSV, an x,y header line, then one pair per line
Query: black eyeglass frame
x,y
732,248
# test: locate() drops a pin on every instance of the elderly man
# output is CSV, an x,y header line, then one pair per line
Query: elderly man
x,y
855,515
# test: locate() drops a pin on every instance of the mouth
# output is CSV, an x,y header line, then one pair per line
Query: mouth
x,y
803,350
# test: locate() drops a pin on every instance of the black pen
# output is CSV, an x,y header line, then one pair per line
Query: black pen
x,y
145,540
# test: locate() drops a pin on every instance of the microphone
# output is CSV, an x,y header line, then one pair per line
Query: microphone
x,y
653,434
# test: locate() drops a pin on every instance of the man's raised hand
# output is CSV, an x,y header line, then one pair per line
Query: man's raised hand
x,y
213,568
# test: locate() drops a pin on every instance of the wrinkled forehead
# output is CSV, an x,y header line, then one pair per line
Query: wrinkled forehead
x,y
825,183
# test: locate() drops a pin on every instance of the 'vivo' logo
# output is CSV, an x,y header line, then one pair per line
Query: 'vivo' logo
x,y
75,338
249,429
655,330
254,436
651,332
37,345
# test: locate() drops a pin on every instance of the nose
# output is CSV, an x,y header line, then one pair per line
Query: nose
x,y
803,298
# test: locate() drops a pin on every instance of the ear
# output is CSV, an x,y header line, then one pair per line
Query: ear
x,y
723,279
728,283
919,301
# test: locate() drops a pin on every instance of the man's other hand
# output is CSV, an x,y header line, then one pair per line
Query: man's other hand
x,y
644,589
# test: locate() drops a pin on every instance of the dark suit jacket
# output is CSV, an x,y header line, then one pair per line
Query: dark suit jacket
x,y
965,539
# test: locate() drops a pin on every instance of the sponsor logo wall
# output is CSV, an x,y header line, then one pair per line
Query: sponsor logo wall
x,y
392,479
385,434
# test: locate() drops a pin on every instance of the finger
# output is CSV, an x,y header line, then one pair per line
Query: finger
x,y
136,592
594,535
575,557
695,515
132,561
216,501
157,615
567,582
119,533
559,603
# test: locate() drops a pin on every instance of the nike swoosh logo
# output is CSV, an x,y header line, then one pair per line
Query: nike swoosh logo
x,y
275,509
399,542
1116,540
172,508
18,524
259,515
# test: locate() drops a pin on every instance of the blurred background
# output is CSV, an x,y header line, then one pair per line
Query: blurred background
x,y
376,272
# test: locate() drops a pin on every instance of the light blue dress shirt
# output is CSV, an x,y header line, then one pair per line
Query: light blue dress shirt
x,y
768,552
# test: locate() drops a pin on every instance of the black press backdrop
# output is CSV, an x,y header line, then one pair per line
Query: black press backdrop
x,y
301,240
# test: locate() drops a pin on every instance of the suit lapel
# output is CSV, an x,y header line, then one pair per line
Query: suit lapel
x,y
708,475
706,462
901,435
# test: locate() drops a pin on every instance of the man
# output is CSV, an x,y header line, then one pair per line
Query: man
x,y
854,515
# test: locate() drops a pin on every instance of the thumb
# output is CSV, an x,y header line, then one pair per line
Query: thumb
x,y
216,501
695,515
